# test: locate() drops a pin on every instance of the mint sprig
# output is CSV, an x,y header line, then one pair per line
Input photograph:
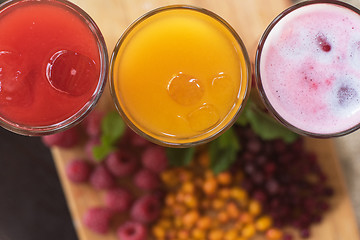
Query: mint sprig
x,y
180,156
112,127
263,125
223,151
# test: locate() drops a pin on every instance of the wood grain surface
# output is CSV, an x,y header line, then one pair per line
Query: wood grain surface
x,y
249,18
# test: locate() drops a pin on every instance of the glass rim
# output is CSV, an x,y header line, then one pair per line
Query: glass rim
x,y
77,117
183,143
258,80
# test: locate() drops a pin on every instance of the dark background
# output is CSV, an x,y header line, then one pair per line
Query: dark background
x,y
32,203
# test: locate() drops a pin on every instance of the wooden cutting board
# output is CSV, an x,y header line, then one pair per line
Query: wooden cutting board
x,y
249,18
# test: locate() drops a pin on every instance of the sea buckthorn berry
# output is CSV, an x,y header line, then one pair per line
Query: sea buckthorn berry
x,y
158,232
231,234
224,193
204,159
198,234
239,194
248,231
183,234
170,200
165,223
254,208
233,210
224,178
223,217
190,201
179,210
168,178
263,223
185,175
246,218
210,186
204,222
274,234
216,234
190,219
188,187
218,204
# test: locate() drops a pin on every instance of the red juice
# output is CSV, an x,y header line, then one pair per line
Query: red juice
x,y
53,65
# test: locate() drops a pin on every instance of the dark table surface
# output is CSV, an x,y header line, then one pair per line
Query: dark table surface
x,y
32,203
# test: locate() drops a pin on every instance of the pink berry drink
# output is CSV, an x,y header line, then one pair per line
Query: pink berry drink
x,y
308,68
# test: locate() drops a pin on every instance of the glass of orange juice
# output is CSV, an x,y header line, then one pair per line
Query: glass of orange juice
x,y
179,76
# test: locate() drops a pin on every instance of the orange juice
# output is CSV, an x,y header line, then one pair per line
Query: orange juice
x,y
179,75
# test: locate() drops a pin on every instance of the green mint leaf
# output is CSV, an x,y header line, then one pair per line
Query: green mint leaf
x,y
223,151
112,127
100,152
267,127
179,157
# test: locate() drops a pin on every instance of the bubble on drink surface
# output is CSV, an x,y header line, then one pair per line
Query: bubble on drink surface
x,y
15,88
185,89
71,72
203,118
223,88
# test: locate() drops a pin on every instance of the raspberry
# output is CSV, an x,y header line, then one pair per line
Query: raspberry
x,y
90,144
132,231
118,199
121,163
146,209
146,179
66,139
137,140
101,178
92,124
78,170
154,158
98,219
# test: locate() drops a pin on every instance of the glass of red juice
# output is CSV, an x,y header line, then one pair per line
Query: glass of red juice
x,y
53,65
307,68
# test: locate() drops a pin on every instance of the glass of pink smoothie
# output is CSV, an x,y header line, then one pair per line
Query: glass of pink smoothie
x,y
308,68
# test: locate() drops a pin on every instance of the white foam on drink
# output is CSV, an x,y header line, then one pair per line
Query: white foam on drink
x,y
310,68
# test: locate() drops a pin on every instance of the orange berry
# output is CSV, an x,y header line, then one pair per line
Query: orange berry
x,y
233,210
209,174
223,217
263,223
246,218
179,209
274,234
169,178
158,232
185,175
231,234
170,200
239,194
224,193
204,159
254,208
190,219
183,234
248,231
188,187
217,204
216,234
190,201
198,234
204,223
210,186
224,178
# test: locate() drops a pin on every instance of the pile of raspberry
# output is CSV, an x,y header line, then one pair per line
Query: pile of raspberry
x,y
128,177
